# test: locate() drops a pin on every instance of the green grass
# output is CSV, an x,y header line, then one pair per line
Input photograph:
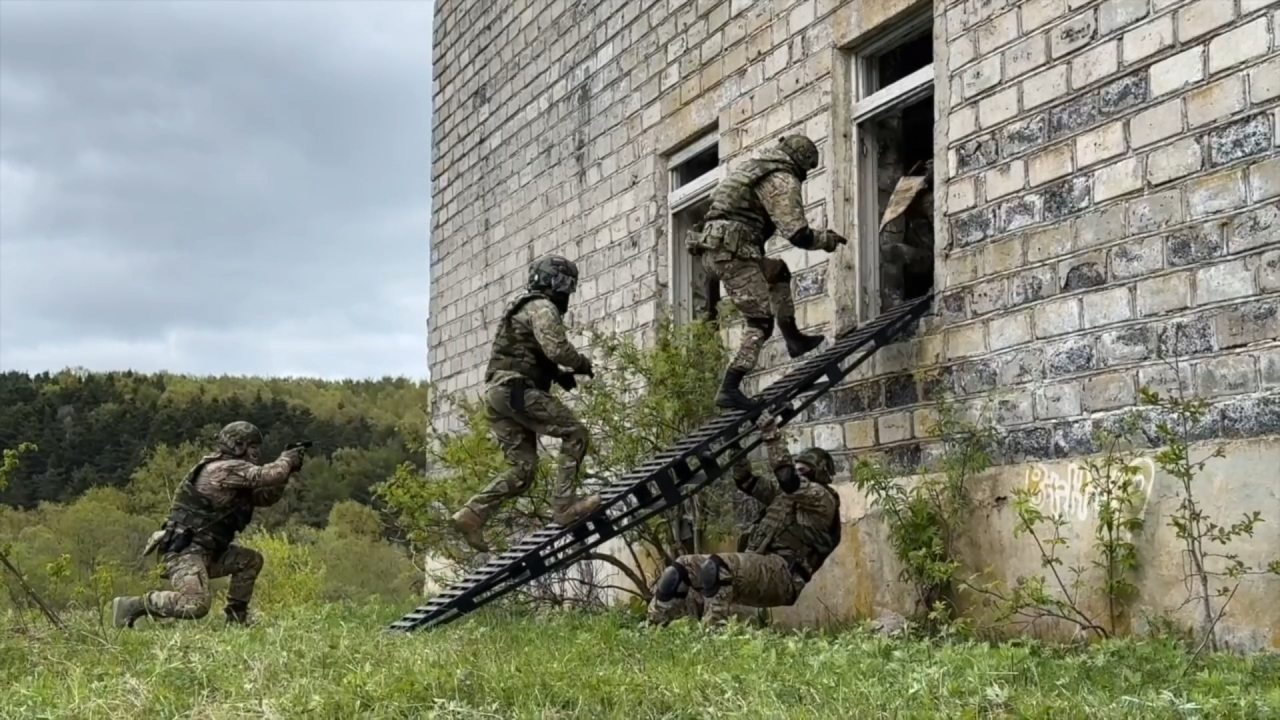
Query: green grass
x,y
337,663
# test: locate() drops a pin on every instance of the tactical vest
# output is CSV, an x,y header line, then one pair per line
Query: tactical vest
x,y
212,527
735,200
516,349
777,532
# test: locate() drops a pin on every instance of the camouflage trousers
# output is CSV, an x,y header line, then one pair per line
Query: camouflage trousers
x,y
760,288
755,579
516,418
189,573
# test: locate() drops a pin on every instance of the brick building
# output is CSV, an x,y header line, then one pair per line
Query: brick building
x,y
1105,195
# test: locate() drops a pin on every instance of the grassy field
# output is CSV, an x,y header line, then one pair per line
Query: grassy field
x,y
336,663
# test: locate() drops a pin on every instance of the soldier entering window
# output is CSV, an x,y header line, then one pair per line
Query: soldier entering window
x,y
760,198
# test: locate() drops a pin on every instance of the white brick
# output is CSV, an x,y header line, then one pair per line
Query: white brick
x,y
1264,180
1097,145
894,427
1117,179
1025,56
1148,39
1038,13
1057,317
1005,179
963,122
1179,71
1094,64
1051,164
961,195
1044,86
1174,161
1216,101
1156,124
961,51
1239,45
1010,330
1072,35
1248,6
1264,82
1215,194
982,76
997,32
1106,307
1223,281
1201,17
998,107
1116,14
1167,293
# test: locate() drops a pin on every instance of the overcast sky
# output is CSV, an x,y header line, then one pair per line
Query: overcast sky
x,y
215,186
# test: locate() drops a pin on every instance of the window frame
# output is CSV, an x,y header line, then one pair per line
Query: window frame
x,y
681,197
869,105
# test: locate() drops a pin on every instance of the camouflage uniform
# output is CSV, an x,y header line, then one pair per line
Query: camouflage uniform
x,y
214,502
761,198
798,529
527,352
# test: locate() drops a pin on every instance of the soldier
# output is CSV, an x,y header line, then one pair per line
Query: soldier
x,y
524,361
798,529
761,198
214,502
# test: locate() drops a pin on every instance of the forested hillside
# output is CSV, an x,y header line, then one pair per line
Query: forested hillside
x,y
108,429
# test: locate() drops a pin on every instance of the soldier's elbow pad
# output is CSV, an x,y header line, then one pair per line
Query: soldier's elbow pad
x,y
804,238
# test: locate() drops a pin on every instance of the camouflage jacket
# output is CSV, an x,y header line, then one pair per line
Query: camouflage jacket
x,y
761,198
531,343
217,497
802,525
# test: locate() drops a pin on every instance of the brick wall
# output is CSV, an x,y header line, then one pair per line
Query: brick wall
x,y
1107,172
1113,200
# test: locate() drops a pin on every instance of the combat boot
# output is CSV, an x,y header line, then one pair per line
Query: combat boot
x,y
798,343
572,512
730,396
236,612
468,524
125,610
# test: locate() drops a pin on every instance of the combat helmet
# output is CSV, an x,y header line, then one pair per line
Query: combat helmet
x,y
800,149
554,274
824,466
236,437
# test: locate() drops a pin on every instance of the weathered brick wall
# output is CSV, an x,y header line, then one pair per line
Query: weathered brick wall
x,y
552,123
1107,172
1112,202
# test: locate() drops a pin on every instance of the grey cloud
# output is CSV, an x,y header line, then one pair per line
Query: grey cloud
x,y
215,186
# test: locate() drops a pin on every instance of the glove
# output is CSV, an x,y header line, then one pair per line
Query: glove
x,y
585,368
836,239
566,380
294,457
768,425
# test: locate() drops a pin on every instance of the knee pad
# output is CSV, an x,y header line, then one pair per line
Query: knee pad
x,y
764,325
709,575
672,584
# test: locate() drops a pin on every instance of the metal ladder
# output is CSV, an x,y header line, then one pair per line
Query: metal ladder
x,y
667,479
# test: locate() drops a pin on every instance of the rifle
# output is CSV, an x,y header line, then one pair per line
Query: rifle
x,y
301,444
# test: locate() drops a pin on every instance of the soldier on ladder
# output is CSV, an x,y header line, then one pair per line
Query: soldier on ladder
x,y
759,199
790,540
525,360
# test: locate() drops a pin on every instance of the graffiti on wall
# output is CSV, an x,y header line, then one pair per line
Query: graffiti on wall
x,y
1068,494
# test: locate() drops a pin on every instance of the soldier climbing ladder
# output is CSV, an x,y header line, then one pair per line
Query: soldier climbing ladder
x,y
668,479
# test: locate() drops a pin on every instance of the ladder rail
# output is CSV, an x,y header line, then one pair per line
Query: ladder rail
x,y
674,480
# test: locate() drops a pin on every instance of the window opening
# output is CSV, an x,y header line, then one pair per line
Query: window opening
x,y
694,173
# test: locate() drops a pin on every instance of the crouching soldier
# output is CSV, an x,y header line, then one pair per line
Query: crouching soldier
x,y
798,529
214,502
